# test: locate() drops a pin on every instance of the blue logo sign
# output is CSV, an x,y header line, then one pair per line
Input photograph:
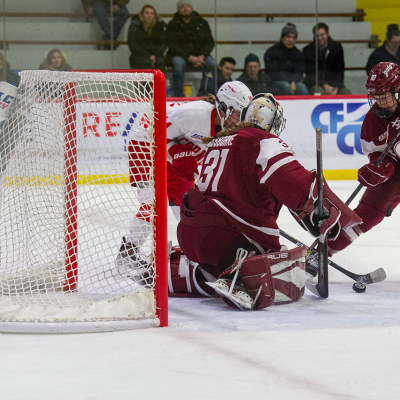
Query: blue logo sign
x,y
342,119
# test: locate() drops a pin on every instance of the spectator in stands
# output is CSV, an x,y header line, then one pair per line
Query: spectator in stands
x,y
190,43
224,74
330,64
284,63
101,10
389,51
4,68
147,40
253,77
88,7
55,61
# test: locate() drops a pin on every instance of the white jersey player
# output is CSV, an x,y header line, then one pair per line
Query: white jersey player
x,y
187,125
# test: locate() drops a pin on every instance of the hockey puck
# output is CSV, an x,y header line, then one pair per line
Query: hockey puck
x,y
359,287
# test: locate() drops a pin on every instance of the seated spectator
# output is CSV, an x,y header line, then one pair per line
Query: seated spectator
x,y
284,63
330,64
253,77
190,43
147,40
88,7
4,68
389,51
101,10
55,61
224,74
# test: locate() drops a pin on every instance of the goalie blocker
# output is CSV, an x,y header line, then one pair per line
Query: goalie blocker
x,y
269,279
336,214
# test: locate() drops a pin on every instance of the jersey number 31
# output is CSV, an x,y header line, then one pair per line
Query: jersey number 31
x,y
213,167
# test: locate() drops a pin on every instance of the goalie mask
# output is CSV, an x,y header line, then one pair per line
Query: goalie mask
x,y
383,89
232,98
265,112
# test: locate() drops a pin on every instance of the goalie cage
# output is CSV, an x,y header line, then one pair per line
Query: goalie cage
x,y
67,197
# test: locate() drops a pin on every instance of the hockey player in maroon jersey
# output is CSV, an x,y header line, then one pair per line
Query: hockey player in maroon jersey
x,y
228,222
187,125
379,127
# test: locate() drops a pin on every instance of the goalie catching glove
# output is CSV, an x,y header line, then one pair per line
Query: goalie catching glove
x,y
336,214
184,161
371,175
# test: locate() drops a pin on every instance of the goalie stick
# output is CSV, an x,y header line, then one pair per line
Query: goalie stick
x,y
321,288
372,277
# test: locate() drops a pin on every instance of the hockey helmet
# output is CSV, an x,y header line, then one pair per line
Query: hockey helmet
x,y
265,112
383,83
232,96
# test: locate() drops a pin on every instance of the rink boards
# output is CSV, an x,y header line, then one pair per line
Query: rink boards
x,y
104,130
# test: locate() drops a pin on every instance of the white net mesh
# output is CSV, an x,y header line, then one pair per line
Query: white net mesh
x,y
65,197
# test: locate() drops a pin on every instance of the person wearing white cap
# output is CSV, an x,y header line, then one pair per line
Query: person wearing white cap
x,y
190,43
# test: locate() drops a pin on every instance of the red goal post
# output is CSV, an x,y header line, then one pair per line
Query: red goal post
x,y
48,113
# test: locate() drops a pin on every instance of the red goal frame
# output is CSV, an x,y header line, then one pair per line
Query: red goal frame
x,y
160,163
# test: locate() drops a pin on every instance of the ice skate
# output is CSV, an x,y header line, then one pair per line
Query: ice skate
x,y
132,264
239,295
311,265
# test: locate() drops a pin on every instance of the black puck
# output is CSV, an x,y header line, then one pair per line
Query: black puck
x,y
359,287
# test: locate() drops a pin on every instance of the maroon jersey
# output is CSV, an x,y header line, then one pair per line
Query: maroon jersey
x,y
376,133
249,175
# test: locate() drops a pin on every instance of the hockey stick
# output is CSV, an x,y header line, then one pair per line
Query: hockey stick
x,y
321,288
373,277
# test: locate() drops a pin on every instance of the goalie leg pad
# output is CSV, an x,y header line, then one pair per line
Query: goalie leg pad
x,y
274,278
287,268
185,278
256,278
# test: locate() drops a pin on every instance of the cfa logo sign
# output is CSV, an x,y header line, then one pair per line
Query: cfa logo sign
x,y
344,120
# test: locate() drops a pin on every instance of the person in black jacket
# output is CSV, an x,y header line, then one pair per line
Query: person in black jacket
x,y
224,74
253,77
147,40
284,63
190,43
389,51
330,64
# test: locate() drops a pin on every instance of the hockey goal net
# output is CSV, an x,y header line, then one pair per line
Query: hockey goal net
x,y
66,202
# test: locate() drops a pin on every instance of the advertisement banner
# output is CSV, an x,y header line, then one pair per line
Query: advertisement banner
x,y
340,120
104,129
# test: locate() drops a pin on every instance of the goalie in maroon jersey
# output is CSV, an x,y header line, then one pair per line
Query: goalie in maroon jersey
x,y
380,126
187,125
228,222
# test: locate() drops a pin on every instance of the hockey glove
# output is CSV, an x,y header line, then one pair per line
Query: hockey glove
x,y
308,218
184,162
370,175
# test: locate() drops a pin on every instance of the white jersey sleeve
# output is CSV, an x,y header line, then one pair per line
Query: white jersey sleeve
x,y
189,123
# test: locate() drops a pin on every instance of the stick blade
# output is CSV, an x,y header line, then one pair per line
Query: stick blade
x,y
375,276
318,289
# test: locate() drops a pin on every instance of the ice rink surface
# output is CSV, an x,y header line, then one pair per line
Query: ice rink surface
x,y
343,347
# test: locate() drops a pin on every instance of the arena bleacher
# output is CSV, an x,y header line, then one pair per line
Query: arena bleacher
x,y
33,28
